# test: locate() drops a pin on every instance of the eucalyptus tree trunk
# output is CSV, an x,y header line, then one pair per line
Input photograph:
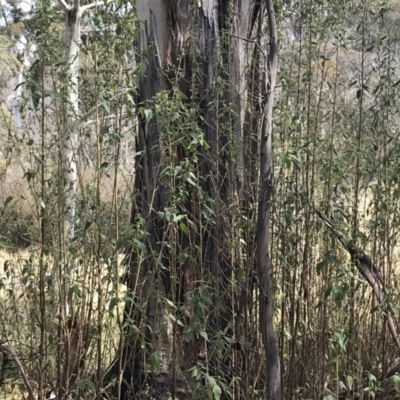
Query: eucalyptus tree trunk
x,y
69,135
266,293
72,117
186,43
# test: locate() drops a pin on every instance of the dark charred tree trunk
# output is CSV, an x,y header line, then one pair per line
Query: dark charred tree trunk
x,y
199,50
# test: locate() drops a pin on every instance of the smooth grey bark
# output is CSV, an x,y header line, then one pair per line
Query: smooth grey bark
x,y
266,290
69,135
72,118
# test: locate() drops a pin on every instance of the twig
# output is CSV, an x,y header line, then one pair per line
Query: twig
x,y
251,41
79,121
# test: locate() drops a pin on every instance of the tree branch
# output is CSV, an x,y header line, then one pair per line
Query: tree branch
x,y
64,5
250,41
92,5
79,121
6,348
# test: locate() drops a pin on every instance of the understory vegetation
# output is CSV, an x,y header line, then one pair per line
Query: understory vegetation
x,y
161,233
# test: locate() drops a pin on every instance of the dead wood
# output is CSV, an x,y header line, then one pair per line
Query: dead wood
x,y
368,270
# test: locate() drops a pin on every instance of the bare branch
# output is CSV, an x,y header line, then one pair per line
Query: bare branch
x,y
369,271
251,41
6,348
107,118
79,121
95,4
64,5
89,113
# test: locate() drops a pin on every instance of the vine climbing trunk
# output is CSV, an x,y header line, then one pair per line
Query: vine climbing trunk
x,y
183,49
264,210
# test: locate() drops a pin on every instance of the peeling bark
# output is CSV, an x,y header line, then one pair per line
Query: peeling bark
x,y
189,40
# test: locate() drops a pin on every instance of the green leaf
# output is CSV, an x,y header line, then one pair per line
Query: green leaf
x,y
104,130
113,303
329,259
163,331
338,339
90,385
155,362
104,166
184,228
391,309
396,382
38,160
362,238
203,335
170,303
350,381
188,333
106,104
140,245
339,293
191,181
8,200
148,113
217,392
75,290
327,292
29,175
177,218
215,387
100,220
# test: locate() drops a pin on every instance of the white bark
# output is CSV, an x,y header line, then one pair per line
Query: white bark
x,y
69,135
17,95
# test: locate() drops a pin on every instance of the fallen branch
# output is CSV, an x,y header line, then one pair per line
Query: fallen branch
x,y
8,349
369,271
